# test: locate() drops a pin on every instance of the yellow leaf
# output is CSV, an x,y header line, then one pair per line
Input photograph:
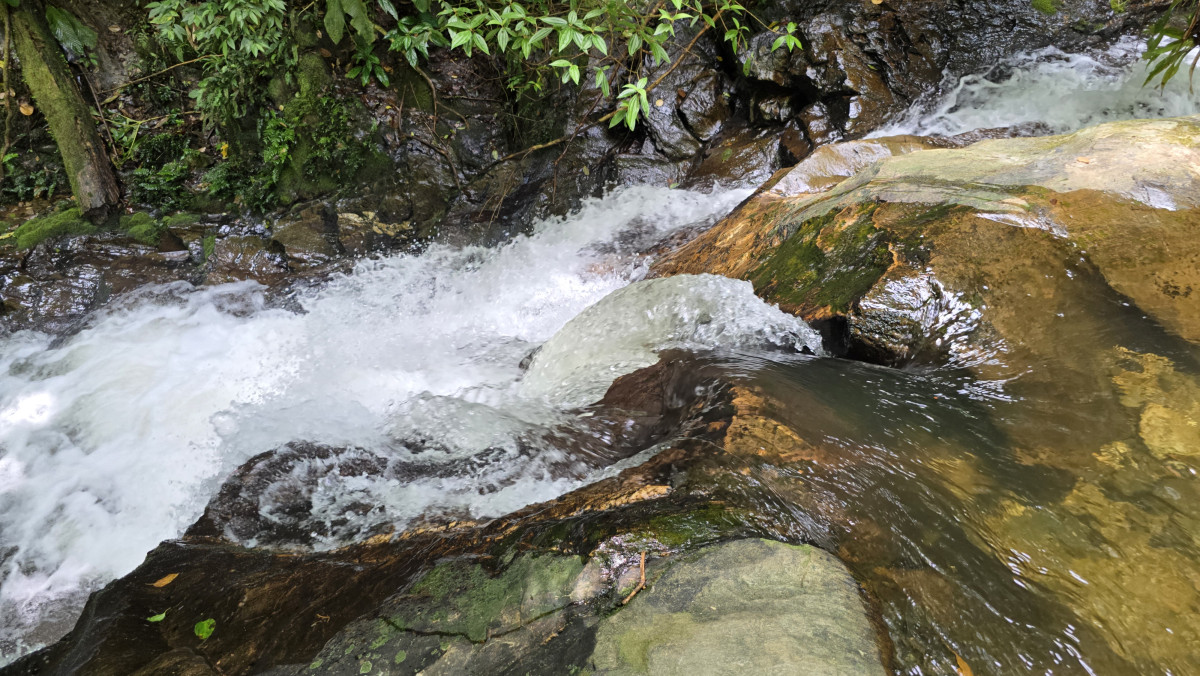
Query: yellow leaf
x,y
961,667
8,234
166,580
658,103
26,109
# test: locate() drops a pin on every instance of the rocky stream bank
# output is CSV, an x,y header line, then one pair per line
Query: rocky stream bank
x,y
995,471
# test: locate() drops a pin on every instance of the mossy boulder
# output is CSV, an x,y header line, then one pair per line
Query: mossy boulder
x,y
743,607
58,224
945,253
1059,275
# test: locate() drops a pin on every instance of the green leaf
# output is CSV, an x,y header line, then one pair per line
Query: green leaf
x,y
660,54
574,71
602,82
554,20
205,629
536,38
631,112
335,20
157,618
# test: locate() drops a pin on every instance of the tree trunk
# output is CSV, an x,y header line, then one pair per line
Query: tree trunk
x,y
70,119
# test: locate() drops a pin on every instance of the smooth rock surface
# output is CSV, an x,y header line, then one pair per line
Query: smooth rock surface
x,y
743,607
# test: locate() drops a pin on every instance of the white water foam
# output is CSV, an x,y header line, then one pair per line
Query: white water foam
x,y
115,438
624,332
1052,90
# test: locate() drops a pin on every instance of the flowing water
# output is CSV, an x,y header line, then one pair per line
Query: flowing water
x,y
115,438
475,360
1048,92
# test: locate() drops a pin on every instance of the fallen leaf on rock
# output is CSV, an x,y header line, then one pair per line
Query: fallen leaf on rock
x,y
165,580
157,618
26,109
205,629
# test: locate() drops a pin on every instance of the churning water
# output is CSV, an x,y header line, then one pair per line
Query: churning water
x,y
1050,91
114,439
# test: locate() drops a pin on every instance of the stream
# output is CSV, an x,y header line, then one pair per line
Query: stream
x,y
471,364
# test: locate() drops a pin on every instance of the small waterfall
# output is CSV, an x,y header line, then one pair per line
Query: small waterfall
x,y
1049,91
115,438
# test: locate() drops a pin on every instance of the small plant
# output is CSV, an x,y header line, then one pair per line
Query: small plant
x,y
635,100
76,39
1169,44
237,41
367,66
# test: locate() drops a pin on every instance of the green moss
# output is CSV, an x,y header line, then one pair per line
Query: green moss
x,y
400,657
312,75
692,528
461,598
634,644
209,245
822,264
1047,7
180,220
62,223
142,227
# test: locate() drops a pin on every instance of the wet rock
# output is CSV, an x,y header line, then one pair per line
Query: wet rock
x,y
705,108
820,129
57,285
840,66
1053,271
751,156
308,237
865,249
245,257
748,606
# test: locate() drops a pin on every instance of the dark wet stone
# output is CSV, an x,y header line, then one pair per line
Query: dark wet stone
x,y
308,236
704,107
245,257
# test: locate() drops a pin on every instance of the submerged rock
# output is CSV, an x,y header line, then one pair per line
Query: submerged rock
x,y
748,606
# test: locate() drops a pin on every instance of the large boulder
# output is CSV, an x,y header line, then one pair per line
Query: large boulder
x,y
1060,275
936,254
748,606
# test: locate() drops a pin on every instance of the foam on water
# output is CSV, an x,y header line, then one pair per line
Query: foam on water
x,y
115,438
1055,91
625,330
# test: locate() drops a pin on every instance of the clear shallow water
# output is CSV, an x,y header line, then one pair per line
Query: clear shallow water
x,y
1031,532
1049,91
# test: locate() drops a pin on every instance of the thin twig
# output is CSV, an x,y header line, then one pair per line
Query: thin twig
x,y
641,584
99,109
141,79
